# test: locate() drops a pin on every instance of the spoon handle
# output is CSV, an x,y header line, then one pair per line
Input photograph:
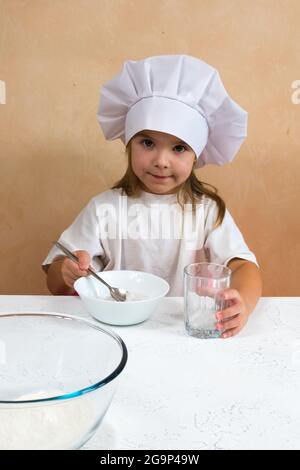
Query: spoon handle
x,y
68,253
73,257
99,278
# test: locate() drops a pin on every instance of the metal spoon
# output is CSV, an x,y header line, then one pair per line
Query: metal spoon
x,y
117,294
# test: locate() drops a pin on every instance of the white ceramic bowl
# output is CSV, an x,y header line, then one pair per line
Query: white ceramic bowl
x,y
99,304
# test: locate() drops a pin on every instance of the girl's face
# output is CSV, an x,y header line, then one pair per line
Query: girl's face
x,y
160,161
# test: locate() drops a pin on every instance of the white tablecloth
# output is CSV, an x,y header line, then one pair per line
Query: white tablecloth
x,y
178,392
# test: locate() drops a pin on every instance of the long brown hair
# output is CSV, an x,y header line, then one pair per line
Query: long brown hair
x,y
191,191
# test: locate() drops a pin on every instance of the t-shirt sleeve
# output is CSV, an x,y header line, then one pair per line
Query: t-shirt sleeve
x,y
226,241
82,234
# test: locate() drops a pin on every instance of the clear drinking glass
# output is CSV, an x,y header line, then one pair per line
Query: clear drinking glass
x,y
203,283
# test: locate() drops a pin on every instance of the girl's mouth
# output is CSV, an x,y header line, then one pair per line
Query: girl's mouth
x,y
159,177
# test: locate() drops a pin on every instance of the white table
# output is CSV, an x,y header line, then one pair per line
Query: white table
x,y
179,392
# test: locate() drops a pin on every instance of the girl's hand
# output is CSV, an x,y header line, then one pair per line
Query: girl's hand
x,y
234,317
71,271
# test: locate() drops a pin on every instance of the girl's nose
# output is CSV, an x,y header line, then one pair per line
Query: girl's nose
x,y
161,160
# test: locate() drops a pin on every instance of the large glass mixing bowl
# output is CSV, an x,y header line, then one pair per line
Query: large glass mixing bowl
x,y
58,374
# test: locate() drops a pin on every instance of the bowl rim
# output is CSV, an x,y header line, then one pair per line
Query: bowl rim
x,y
92,324
167,286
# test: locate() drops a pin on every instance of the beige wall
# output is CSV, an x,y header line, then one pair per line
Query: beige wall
x,y
54,55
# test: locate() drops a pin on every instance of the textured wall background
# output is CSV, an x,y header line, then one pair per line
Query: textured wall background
x,y
54,55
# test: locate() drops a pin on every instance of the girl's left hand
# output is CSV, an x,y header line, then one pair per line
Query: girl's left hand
x,y
234,317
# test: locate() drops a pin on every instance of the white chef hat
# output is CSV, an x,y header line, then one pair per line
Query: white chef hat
x,y
179,95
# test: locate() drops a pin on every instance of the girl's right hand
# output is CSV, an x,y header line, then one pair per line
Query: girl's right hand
x,y
71,271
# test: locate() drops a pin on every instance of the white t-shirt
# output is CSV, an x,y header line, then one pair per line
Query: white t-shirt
x,y
152,233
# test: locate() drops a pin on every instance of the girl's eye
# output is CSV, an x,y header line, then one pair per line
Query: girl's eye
x,y
145,142
180,147
148,144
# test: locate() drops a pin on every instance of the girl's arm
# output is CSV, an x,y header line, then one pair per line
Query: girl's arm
x,y
55,282
246,279
63,272
243,295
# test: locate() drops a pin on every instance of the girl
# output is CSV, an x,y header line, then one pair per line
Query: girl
x,y
174,115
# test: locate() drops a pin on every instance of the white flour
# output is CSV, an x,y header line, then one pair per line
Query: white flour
x,y
133,296
130,297
47,426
